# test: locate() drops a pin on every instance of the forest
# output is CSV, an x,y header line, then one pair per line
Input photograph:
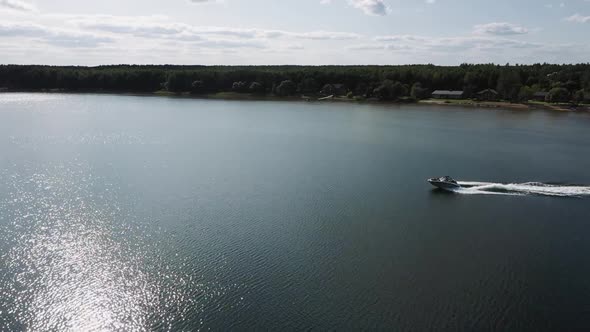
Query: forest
x,y
514,83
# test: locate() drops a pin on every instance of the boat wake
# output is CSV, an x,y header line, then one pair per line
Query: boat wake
x,y
521,189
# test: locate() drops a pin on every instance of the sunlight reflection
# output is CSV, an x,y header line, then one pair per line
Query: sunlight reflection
x,y
73,260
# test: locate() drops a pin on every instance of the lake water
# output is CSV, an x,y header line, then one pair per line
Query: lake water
x,y
149,213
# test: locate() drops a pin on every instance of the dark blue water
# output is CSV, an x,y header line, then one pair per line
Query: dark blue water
x,y
144,213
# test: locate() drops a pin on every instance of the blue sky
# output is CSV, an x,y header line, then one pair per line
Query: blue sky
x,y
445,32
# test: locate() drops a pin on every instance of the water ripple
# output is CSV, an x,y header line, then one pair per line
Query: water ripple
x,y
73,259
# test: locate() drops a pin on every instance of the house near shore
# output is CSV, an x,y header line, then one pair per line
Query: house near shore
x,y
488,95
447,94
334,89
540,96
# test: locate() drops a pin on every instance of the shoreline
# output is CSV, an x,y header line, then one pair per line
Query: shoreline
x,y
530,106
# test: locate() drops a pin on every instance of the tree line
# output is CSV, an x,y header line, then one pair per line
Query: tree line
x,y
564,83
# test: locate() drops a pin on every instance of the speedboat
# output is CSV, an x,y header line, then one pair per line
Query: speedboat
x,y
445,182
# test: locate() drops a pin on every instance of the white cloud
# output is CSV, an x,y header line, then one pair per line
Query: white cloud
x,y
500,28
469,48
53,36
378,47
295,47
98,39
21,30
160,27
141,26
371,7
17,5
457,44
230,44
560,5
578,18
401,38
72,39
324,35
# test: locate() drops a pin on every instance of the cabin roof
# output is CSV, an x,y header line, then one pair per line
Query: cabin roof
x,y
540,94
487,91
448,92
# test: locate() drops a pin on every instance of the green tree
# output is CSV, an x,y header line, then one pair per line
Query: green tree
x,y
418,92
470,84
177,82
286,88
309,85
526,93
240,86
256,88
579,96
198,87
389,90
558,95
364,80
585,79
572,85
362,89
509,84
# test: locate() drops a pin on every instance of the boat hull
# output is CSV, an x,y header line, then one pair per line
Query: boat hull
x,y
444,185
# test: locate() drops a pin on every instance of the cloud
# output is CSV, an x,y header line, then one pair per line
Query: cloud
x,y
500,29
577,18
224,44
295,47
143,26
95,39
17,5
77,40
560,5
371,7
160,27
324,35
53,36
401,38
380,47
21,30
457,44
453,50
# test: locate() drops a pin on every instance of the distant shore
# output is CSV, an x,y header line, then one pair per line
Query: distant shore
x,y
532,105
564,87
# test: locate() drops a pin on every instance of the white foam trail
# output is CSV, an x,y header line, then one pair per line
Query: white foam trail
x,y
477,191
521,189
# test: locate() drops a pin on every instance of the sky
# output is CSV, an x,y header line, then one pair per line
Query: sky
x,y
301,32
